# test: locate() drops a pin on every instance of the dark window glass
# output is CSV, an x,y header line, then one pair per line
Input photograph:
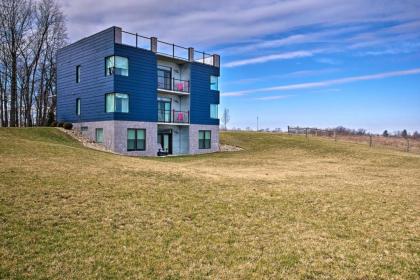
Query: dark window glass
x,y
136,139
78,74
164,77
204,139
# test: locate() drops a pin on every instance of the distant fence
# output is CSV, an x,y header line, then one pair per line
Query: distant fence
x,y
394,142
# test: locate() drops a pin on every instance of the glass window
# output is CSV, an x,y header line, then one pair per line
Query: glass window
x,y
84,128
78,74
214,82
131,139
117,65
204,139
78,106
214,111
99,137
116,102
136,139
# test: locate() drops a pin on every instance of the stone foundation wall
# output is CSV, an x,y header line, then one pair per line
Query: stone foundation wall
x,y
214,147
115,136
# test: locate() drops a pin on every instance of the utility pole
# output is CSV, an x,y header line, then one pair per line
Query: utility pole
x,y
257,125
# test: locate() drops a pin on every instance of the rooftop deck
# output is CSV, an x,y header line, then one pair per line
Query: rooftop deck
x,y
165,49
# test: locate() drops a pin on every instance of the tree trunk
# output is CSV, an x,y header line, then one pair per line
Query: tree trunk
x,y
13,93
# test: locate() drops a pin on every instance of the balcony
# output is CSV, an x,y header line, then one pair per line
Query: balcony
x,y
173,117
173,85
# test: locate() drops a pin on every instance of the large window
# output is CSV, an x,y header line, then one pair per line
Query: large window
x,y
214,111
117,102
99,135
204,139
78,106
78,74
136,139
214,82
116,65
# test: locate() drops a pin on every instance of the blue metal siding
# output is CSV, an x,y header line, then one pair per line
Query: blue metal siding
x,y
90,54
140,85
201,94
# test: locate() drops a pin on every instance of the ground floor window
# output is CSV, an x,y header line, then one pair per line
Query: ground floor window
x,y
136,139
204,139
99,135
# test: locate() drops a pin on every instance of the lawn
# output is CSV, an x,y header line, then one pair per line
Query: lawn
x,y
283,208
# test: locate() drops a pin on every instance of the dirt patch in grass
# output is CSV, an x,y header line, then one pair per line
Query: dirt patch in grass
x,y
229,148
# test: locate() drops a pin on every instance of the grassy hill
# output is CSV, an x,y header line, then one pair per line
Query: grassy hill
x,y
284,207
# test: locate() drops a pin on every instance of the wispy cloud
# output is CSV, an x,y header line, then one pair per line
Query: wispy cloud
x,y
274,97
327,83
217,22
271,57
334,34
295,74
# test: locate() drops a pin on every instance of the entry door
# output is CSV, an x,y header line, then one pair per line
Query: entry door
x,y
164,111
164,78
165,140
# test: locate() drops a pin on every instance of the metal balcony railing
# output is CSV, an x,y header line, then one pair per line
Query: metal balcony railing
x,y
168,49
173,116
173,84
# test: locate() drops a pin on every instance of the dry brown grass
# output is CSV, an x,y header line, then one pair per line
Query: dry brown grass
x,y
283,207
396,143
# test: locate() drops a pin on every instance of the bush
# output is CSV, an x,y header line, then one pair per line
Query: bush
x,y
60,124
68,125
53,124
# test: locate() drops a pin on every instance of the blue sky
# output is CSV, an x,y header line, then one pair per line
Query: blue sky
x,y
307,63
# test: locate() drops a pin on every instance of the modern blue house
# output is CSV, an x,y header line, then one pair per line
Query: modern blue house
x,y
138,95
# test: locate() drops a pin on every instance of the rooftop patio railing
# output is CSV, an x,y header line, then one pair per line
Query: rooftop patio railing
x,y
168,49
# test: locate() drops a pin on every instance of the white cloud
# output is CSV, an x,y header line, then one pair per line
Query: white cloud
x,y
326,83
210,23
271,57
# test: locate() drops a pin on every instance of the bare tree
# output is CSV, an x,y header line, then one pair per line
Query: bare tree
x,y
15,16
31,32
225,118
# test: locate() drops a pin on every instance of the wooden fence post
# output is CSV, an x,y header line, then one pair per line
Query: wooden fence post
x,y
288,130
408,145
306,132
370,140
335,135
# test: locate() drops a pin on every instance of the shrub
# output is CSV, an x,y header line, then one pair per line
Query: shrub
x,y
60,124
68,125
53,124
